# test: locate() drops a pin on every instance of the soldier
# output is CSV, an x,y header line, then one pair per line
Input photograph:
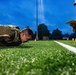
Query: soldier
x,y
73,24
13,36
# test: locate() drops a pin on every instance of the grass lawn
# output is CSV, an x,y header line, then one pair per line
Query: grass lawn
x,y
37,58
69,42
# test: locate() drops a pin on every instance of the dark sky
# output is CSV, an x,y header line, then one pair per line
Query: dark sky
x,y
54,13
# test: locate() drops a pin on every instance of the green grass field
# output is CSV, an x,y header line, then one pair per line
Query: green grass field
x,y
69,42
37,58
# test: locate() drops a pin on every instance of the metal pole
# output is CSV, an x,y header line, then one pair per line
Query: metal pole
x,y
37,19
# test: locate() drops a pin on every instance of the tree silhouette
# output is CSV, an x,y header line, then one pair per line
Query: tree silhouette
x,y
56,34
43,31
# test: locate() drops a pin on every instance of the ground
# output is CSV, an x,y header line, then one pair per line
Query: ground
x,y
37,58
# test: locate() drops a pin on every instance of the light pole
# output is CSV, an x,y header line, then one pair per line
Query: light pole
x,y
37,20
74,2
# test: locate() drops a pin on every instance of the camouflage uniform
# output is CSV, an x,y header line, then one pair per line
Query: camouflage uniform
x,y
73,24
13,32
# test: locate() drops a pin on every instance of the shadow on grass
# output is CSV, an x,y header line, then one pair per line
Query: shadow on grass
x,y
21,46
